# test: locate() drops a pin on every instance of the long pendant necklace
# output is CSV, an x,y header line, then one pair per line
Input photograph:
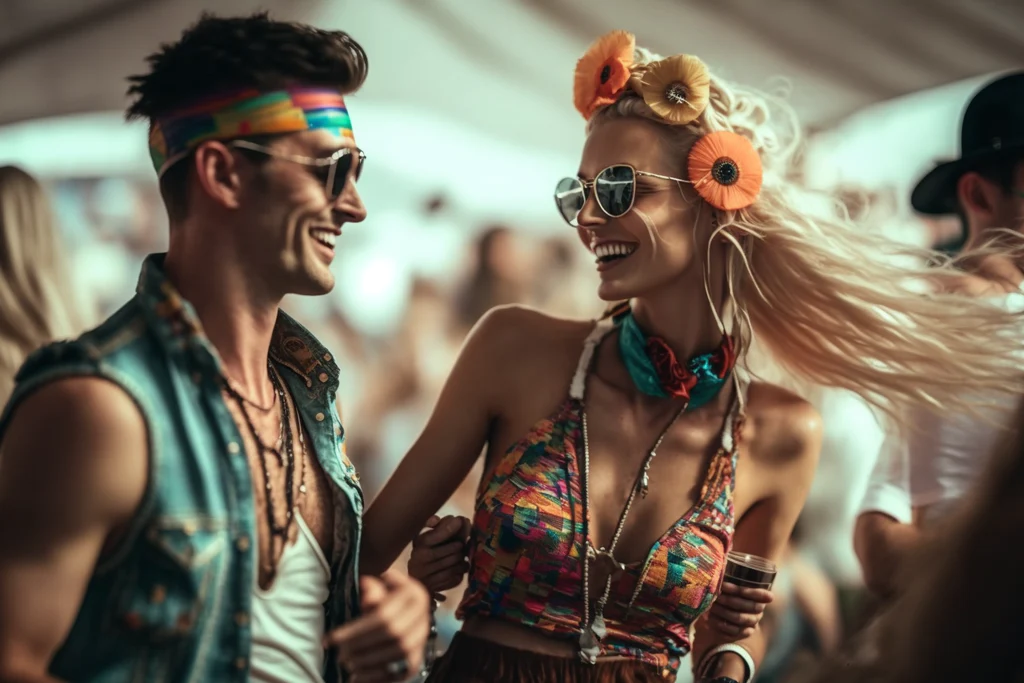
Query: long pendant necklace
x,y
604,558
285,453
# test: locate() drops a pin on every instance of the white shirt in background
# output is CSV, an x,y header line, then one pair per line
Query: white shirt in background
x,y
940,457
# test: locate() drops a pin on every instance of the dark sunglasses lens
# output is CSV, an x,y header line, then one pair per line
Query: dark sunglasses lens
x,y
341,171
569,198
614,188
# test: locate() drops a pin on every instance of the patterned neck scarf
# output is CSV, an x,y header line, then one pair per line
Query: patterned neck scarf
x,y
656,372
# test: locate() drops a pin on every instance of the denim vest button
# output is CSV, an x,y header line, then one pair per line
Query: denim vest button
x,y
242,619
240,663
327,357
319,417
242,543
323,376
185,622
234,448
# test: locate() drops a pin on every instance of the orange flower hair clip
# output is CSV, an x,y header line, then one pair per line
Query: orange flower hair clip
x,y
725,169
603,72
676,88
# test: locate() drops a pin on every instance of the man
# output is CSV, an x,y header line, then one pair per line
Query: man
x,y
176,500
922,475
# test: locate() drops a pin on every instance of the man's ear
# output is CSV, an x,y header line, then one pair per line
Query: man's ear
x,y
977,196
217,170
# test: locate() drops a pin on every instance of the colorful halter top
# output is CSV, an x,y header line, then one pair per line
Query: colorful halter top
x,y
529,537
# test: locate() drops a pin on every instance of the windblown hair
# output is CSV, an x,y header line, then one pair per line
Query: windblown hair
x,y
219,55
35,294
835,304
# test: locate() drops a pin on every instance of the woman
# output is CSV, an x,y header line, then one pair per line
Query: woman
x,y
606,511
35,294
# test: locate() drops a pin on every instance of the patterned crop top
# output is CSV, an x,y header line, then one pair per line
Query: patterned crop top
x,y
529,537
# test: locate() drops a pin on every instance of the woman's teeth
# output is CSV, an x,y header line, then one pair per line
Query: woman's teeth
x,y
610,251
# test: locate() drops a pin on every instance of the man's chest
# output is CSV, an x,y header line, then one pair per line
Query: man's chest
x,y
288,482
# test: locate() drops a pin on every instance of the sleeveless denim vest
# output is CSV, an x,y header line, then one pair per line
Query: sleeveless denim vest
x,y
171,602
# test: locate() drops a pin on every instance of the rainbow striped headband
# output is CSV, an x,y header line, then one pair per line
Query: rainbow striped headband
x,y
250,112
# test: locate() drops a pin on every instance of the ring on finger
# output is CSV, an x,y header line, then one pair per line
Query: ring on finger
x,y
398,669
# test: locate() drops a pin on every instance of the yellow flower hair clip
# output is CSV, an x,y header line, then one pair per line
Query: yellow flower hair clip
x,y
603,72
676,88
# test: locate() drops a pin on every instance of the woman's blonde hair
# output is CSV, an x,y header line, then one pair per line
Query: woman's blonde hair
x,y
835,304
34,286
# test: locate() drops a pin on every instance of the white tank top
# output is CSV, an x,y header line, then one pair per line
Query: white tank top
x,y
288,619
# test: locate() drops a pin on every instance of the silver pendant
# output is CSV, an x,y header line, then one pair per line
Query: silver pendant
x,y
598,628
606,563
590,648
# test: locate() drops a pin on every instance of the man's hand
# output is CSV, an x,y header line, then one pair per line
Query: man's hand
x,y
439,555
737,611
386,644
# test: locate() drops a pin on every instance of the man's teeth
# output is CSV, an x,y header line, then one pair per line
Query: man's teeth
x,y
603,251
325,237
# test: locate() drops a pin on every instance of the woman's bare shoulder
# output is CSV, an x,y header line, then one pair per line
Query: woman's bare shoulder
x,y
519,333
782,429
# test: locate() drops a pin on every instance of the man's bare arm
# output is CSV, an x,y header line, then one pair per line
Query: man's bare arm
x,y
883,546
73,468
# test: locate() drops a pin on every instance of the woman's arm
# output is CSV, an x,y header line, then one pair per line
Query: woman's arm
x,y
448,446
790,448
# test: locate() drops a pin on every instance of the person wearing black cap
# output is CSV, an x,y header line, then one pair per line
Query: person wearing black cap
x,y
922,475
985,186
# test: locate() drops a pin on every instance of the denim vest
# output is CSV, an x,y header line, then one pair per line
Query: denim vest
x,y
171,602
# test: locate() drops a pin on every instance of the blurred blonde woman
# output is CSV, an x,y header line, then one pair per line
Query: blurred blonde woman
x,y
35,292
624,458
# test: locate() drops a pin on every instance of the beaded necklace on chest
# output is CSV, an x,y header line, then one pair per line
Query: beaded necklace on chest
x,y
284,452
655,371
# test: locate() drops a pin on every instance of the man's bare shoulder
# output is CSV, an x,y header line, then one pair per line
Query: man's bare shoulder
x,y
991,276
88,431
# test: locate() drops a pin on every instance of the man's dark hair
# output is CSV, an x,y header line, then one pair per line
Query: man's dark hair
x,y
219,55
1000,172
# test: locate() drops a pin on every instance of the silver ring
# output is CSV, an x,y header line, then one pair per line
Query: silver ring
x,y
399,667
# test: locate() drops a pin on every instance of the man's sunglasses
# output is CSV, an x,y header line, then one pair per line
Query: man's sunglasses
x,y
614,187
333,170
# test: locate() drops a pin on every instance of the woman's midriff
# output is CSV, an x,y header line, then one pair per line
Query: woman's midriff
x,y
524,638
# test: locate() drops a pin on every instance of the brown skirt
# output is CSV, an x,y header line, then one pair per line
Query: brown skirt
x,y
473,660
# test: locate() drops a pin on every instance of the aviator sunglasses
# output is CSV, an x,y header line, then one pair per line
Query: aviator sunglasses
x,y
333,171
614,188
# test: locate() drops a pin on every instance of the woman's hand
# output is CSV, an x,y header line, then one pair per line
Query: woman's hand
x,y
438,557
737,611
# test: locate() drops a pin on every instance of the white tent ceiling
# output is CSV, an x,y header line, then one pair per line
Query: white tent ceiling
x,y
505,65
485,85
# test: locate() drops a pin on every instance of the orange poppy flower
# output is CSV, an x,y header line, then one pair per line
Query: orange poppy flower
x,y
603,71
725,170
677,88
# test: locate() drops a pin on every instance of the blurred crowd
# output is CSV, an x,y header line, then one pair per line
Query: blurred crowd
x,y
396,350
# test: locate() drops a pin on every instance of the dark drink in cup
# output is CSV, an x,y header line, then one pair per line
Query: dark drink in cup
x,y
749,571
